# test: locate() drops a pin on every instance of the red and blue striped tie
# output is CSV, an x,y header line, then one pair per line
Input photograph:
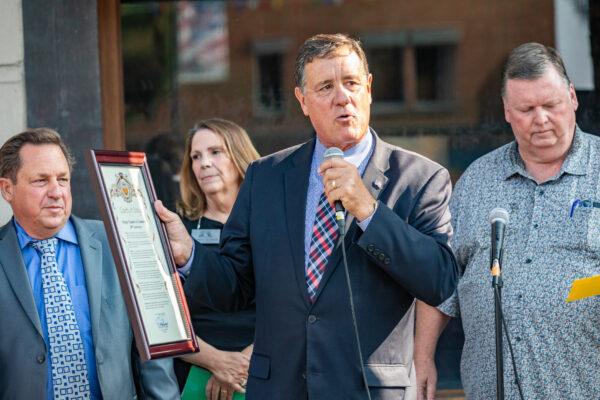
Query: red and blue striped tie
x,y
324,235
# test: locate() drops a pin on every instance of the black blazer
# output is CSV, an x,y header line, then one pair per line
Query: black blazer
x,y
308,349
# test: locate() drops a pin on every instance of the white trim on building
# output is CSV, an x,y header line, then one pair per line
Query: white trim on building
x,y
13,115
573,41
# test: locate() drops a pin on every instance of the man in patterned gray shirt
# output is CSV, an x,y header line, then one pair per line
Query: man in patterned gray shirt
x,y
551,240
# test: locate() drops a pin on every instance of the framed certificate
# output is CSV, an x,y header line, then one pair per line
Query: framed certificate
x,y
149,280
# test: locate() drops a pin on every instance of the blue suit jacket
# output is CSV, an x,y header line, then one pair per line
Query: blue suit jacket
x,y
303,348
23,352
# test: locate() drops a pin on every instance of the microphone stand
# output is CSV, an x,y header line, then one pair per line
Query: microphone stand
x,y
497,286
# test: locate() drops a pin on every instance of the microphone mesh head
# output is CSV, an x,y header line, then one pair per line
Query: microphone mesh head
x,y
333,152
499,214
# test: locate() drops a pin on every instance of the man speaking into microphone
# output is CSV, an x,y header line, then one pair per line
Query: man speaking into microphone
x,y
280,248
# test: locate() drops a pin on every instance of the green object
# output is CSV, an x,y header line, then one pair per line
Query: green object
x,y
195,386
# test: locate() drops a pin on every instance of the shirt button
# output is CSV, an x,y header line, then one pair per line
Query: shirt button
x,y
520,296
541,192
304,375
535,226
312,319
518,338
41,358
528,261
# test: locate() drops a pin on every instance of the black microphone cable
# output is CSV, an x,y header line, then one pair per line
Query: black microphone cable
x,y
341,226
334,152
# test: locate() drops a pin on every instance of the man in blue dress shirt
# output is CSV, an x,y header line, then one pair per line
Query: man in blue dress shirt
x,y
64,330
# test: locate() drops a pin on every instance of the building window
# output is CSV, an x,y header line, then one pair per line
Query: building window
x,y
385,63
435,73
270,75
413,71
386,56
269,98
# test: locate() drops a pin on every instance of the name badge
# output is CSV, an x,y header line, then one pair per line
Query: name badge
x,y
207,236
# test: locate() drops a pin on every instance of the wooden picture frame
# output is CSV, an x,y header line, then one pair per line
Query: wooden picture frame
x,y
147,272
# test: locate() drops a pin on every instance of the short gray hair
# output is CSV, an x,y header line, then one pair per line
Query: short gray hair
x,y
530,61
323,46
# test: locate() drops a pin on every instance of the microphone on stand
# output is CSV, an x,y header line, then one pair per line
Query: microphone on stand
x,y
498,220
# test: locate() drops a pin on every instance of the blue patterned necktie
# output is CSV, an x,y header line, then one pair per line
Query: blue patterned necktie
x,y
322,242
69,370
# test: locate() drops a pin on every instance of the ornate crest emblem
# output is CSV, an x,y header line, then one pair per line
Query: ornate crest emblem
x,y
122,188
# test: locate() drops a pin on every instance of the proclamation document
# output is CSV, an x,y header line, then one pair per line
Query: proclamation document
x,y
144,254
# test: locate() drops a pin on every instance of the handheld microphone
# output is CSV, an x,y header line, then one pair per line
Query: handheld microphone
x,y
340,212
340,217
498,219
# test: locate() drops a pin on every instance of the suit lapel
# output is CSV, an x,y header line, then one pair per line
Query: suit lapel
x,y
14,268
296,186
91,257
374,176
375,181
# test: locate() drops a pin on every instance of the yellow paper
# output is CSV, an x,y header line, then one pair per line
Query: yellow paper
x,y
586,287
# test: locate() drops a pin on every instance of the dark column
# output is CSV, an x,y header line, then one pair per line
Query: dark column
x,y
62,76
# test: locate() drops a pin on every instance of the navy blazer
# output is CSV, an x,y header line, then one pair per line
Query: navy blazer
x,y
308,349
